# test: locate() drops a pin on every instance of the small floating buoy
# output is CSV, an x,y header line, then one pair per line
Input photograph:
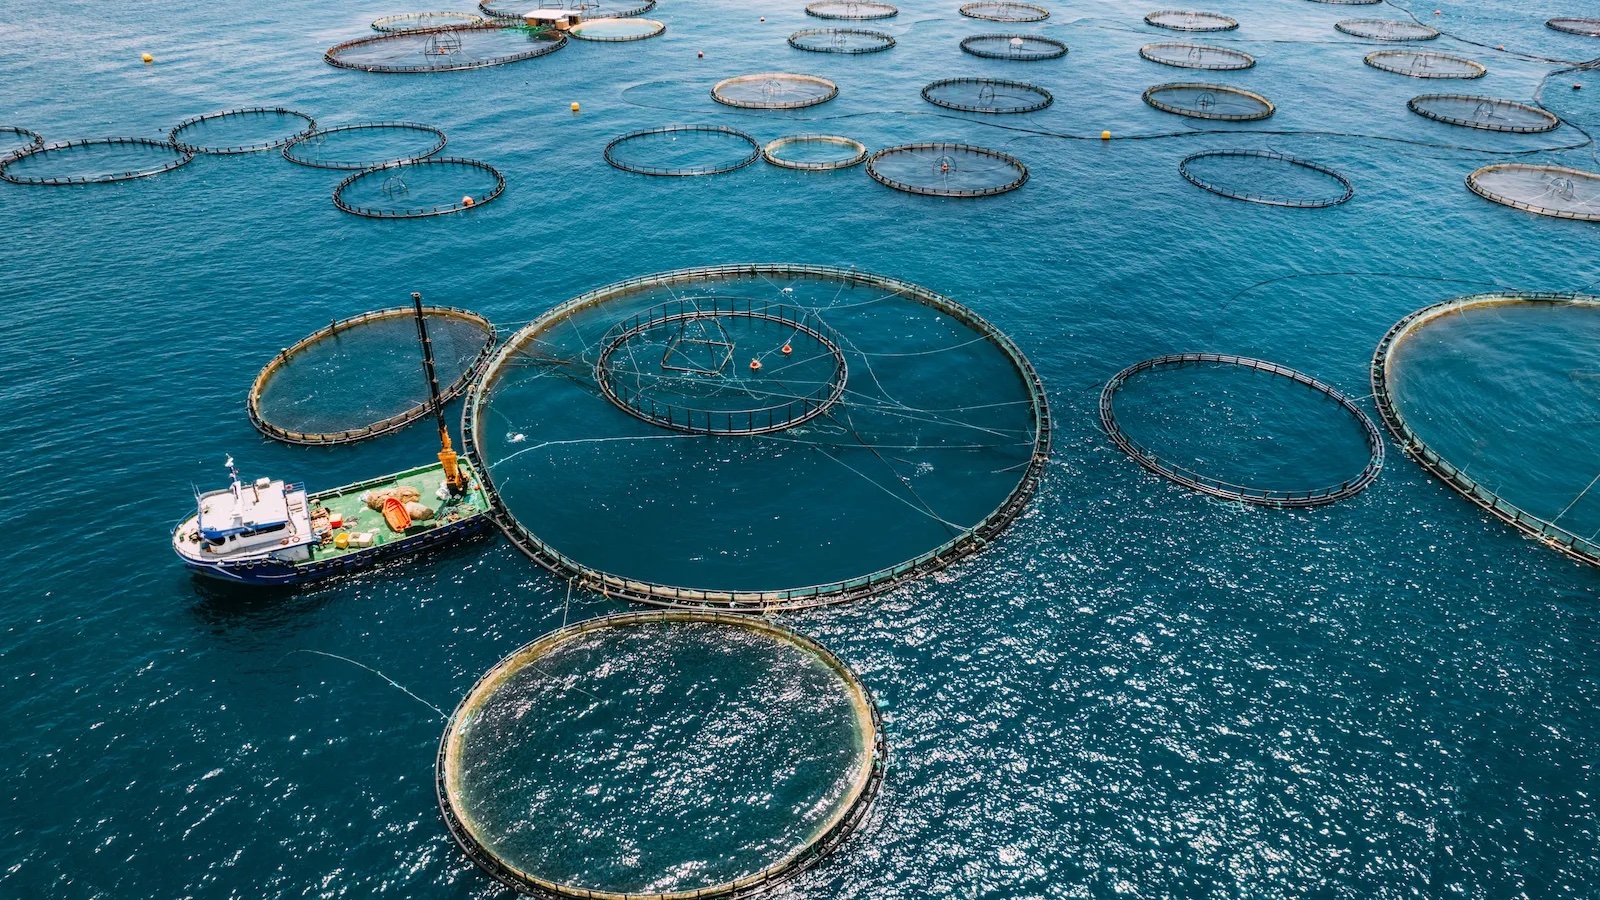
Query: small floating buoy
x,y
467,201
787,349
763,18
1577,87
574,106
1501,47
1438,12
700,54
1105,135
147,57
755,365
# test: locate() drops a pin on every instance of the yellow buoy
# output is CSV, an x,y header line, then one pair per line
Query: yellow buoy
x,y
574,106
147,57
1105,135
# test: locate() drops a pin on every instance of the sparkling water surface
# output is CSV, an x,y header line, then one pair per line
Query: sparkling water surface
x,y
1135,692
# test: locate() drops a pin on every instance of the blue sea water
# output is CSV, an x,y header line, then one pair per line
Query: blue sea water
x,y
1135,692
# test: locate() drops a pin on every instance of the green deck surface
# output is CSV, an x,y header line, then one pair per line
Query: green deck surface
x,y
358,518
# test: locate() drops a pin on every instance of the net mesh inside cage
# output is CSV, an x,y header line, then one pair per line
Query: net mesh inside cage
x,y
1242,429
947,170
1266,177
815,152
241,130
645,735
1387,30
1197,56
445,49
1209,101
774,90
1187,20
683,150
840,40
422,21
799,493
514,10
365,145
1557,191
417,189
617,30
1005,12
1021,47
1494,395
362,377
1348,2
1486,113
1425,65
95,161
987,95
848,10
16,141
1584,27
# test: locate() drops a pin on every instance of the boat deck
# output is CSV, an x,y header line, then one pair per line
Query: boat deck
x,y
359,519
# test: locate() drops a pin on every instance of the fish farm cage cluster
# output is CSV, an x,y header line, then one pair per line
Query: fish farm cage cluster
x,y
1266,177
841,40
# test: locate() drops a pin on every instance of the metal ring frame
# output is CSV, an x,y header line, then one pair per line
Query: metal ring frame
x,y
854,11
858,151
1418,106
1056,48
1582,27
752,156
1243,60
885,41
311,126
1477,187
1345,194
184,157
556,40
1221,22
659,28
1356,28
1151,92
1214,487
1043,97
439,142
1348,2
419,213
395,24
830,91
1019,181
33,141
588,7
1003,11
1378,60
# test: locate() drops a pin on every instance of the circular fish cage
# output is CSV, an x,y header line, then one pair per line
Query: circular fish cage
x,y
1387,30
1583,27
1209,423
1018,47
1494,395
1486,113
947,170
94,161
1425,65
683,150
1348,2
362,377
423,21
774,90
852,11
997,11
1209,101
815,152
1197,56
511,10
1556,191
419,188
933,446
365,145
841,40
1266,177
1186,20
617,30
16,141
987,95
604,726
241,130
444,49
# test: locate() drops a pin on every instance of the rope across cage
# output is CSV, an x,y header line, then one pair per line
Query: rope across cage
x,y
1387,30
1578,26
1485,496
313,149
153,158
1209,101
1191,20
947,170
1000,11
392,190
536,352
815,152
774,90
18,141
987,95
725,149
1425,65
1197,56
184,136
496,691
1557,191
1252,172
1484,113
617,30
422,21
400,319
1016,47
445,49
851,10
853,41
1225,490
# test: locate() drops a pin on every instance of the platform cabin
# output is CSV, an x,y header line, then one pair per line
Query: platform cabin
x,y
558,19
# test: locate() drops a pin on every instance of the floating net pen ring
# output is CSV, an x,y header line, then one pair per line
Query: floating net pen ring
x,y
1348,2
290,149
443,49
424,20
175,136
1197,56
945,161
849,812
509,10
1556,191
851,10
751,153
400,315
1346,190
987,95
841,40
1020,47
1551,535
1486,113
774,90
855,152
1185,20
396,171
1000,11
1387,30
1425,65
617,29
1583,27
1210,101
1214,487
180,157
31,140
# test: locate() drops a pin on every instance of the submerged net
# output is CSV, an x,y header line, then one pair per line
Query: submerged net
x,y
645,735
932,447
16,141
419,188
1495,395
774,90
947,170
1184,20
1584,27
365,145
1022,47
1263,176
1487,113
242,130
362,377
422,21
987,95
96,161
1425,65
840,40
683,150
1209,101
1005,12
617,30
846,9
1547,190
1197,56
1242,429
1387,30
815,152
445,49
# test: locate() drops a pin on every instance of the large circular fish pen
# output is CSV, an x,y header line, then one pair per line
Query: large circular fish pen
x,y
1485,113
422,21
1555,191
1197,56
419,188
853,41
774,90
365,145
1185,20
815,152
1582,27
1209,101
618,30
1425,65
947,170
93,161
851,10
1015,47
241,130
1387,30
1266,177
682,150
987,95
444,49
1000,11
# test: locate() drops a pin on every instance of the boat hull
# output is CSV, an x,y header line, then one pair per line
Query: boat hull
x,y
271,572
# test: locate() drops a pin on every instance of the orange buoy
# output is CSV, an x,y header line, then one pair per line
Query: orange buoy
x,y
755,365
787,349
700,55
467,201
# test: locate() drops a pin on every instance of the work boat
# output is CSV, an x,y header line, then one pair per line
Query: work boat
x,y
271,532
